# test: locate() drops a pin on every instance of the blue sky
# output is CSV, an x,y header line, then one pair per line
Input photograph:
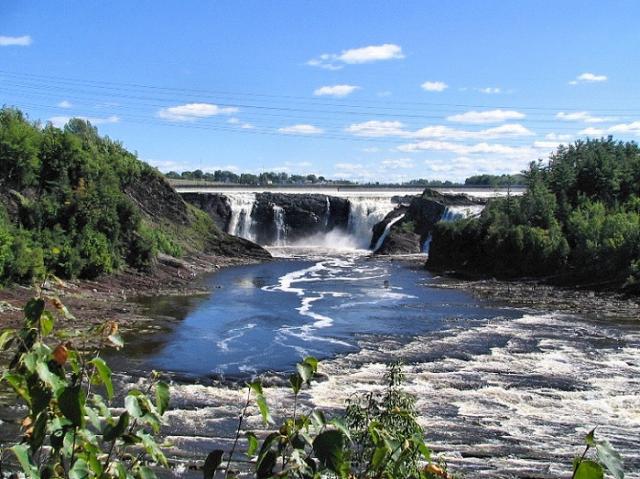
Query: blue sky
x,y
361,90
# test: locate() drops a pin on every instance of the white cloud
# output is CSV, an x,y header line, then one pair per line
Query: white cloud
x,y
592,131
434,86
65,104
247,126
558,137
372,53
23,41
487,116
194,111
588,77
461,149
398,163
440,131
377,128
547,144
633,127
584,116
336,90
233,120
60,121
490,90
371,149
301,129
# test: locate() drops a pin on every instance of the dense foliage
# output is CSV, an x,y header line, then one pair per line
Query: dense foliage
x,y
63,207
578,221
70,430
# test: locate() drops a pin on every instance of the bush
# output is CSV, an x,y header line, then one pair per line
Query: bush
x,y
70,430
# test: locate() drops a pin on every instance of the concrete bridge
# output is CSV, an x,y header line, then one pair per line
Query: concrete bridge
x,y
183,186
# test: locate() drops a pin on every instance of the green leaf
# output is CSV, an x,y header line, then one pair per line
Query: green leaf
x,y
132,405
610,458
39,431
296,382
589,470
311,361
211,463
50,379
252,448
256,387
28,467
33,310
162,397
6,338
377,460
116,340
104,373
70,404
306,372
113,432
145,472
318,418
328,447
46,323
342,427
80,470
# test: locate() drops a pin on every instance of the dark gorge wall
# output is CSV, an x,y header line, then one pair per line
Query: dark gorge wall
x,y
303,215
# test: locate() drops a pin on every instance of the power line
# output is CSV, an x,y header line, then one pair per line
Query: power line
x,y
363,104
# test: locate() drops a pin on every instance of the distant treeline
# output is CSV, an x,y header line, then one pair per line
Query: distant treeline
x,y
578,222
282,178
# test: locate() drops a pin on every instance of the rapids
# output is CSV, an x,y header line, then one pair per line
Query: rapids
x,y
501,392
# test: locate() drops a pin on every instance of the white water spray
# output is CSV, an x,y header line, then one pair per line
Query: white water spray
x,y
385,233
241,207
281,225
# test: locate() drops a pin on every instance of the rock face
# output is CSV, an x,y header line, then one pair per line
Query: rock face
x,y
407,235
161,204
216,206
303,215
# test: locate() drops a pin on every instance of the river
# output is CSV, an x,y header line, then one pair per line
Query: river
x,y
501,392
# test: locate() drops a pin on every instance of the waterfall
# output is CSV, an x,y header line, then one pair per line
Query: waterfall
x,y
281,225
427,244
385,233
364,214
327,214
241,207
453,213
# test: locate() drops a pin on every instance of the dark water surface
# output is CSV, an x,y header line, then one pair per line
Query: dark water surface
x,y
266,317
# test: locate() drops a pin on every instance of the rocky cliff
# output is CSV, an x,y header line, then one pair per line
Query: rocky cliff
x,y
408,234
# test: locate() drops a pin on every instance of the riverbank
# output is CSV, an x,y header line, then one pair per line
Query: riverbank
x,y
114,297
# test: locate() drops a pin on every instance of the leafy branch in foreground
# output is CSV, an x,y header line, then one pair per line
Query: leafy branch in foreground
x,y
70,430
379,437
606,459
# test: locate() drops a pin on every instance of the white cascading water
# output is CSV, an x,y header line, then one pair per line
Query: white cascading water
x,y
241,207
281,225
364,214
385,233
327,213
452,213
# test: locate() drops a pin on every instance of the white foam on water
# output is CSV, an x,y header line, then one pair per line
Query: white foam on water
x,y
235,333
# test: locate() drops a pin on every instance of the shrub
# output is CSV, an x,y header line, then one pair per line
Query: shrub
x,y
70,430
